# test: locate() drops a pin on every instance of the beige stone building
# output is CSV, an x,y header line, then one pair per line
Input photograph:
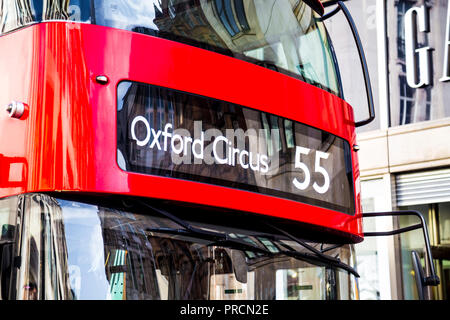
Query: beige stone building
x,y
405,153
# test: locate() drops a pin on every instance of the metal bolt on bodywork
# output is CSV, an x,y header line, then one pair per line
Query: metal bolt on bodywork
x,y
356,148
102,79
15,109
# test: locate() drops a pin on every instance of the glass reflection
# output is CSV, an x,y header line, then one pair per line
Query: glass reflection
x,y
261,154
74,250
283,35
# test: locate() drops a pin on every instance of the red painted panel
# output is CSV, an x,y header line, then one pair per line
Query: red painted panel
x,y
67,141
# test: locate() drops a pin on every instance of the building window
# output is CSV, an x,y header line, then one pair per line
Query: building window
x,y
415,105
232,15
402,7
406,101
240,12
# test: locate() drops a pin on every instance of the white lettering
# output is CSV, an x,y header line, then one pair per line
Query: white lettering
x,y
133,132
155,139
318,168
241,159
216,155
200,143
300,165
187,140
236,152
223,151
264,164
421,63
230,153
251,161
446,68
209,134
246,309
194,310
174,139
166,134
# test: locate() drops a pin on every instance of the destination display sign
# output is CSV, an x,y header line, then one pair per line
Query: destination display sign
x,y
175,134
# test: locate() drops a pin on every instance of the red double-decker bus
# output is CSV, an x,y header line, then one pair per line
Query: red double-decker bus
x,y
175,149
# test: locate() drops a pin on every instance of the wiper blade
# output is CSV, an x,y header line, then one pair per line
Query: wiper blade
x,y
223,239
314,254
330,247
310,256
216,238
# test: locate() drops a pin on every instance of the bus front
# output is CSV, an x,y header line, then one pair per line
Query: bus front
x,y
174,149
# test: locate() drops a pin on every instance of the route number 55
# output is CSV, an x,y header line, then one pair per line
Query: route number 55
x,y
317,168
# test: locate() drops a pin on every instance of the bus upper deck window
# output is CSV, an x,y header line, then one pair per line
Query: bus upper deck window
x,y
284,36
15,14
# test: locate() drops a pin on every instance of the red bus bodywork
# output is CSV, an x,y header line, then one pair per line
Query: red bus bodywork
x,y
66,141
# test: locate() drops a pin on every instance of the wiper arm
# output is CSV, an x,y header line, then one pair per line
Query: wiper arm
x,y
314,255
311,256
217,238
222,239
322,249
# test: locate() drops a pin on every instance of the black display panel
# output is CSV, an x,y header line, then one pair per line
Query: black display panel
x,y
175,134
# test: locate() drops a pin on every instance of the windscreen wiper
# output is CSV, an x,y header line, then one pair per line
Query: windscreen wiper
x,y
216,238
223,239
313,254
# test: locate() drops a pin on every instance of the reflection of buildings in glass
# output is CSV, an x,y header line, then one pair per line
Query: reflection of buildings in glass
x,y
46,254
256,133
15,14
184,267
228,14
186,19
56,275
56,10
154,268
22,12
301,284
230,278
272,37
129,264
19,13
138,264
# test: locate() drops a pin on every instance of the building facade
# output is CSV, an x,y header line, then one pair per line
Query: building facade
x,y
405,153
